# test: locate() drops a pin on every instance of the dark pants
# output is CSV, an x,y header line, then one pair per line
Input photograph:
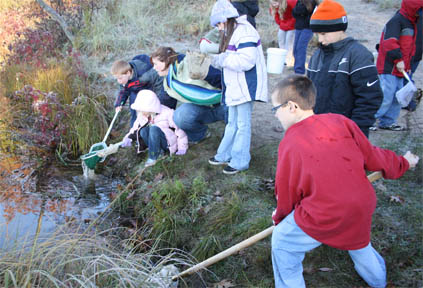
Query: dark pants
x,y
132,98
156,141
412,105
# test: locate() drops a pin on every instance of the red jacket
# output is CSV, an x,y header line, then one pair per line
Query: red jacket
x,y
398,40
321,173
288,21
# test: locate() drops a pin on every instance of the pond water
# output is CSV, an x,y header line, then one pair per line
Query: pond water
x,y
62,195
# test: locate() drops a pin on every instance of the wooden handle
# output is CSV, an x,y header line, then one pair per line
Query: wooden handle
x,y
246,243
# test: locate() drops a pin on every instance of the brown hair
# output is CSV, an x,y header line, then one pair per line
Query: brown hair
x,y
120,67
164,54
298,89
310,4
225,36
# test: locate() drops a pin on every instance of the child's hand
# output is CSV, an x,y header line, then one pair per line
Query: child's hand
x,y
118,109
412,159
126,142
181,152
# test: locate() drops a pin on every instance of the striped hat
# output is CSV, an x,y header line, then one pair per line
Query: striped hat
x,y
329,16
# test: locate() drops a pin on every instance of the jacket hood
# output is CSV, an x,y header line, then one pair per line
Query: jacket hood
x,y
147,101
409,9
139,68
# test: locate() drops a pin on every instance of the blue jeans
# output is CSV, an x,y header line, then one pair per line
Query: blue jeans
x,y
290,243
193,118
156,141
235,145
302,37
390,109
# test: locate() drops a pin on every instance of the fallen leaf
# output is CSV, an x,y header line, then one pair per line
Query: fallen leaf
x,y
325,269
396,199
381,187
224,284
158,177
130,195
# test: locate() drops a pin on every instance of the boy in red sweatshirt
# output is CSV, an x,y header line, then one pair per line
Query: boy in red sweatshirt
x,y
323,195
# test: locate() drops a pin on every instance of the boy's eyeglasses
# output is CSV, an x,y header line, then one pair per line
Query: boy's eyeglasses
x,y
275,109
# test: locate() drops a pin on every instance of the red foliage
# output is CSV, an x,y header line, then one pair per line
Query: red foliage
x,y
50,115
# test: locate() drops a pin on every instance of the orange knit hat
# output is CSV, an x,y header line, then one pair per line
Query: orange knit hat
x,y
329,16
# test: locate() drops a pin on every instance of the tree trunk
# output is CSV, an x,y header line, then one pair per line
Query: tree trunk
x,y
59,19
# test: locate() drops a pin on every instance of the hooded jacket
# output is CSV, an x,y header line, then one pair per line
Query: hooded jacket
x,y
148,102
346,81
398,40
243,64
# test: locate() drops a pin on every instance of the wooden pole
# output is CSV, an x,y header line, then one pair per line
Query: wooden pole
x,y
244,244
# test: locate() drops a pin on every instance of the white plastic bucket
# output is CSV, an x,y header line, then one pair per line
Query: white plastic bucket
x,y
276,60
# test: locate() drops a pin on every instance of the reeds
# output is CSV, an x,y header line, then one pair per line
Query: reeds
x,y
71,259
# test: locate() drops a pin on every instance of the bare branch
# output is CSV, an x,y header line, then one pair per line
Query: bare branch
x,y
59,19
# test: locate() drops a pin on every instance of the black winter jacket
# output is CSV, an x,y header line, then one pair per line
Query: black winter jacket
x,y
347,82
302,16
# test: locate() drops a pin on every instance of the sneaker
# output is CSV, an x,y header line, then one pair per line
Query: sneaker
x,y
150,162
393,127
213,161
208,135
373,128
229,170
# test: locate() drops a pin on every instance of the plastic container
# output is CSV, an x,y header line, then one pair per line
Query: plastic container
x,y
276,60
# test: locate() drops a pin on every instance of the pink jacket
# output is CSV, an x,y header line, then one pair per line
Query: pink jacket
x,y
148,102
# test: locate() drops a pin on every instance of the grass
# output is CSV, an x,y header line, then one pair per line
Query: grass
x,y
94,260
187,204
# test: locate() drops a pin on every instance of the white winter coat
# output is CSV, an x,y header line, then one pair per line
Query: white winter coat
x,y
244,68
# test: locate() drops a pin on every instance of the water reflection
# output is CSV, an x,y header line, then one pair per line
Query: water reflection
x,y
62,195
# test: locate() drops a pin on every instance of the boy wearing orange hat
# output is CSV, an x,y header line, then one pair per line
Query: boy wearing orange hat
x,y
342,69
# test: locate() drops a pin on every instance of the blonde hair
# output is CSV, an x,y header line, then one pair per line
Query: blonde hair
x,y
120,67
282,5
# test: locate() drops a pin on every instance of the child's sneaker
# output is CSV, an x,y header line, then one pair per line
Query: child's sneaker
x,y
229,170
150,162
213,161
208,135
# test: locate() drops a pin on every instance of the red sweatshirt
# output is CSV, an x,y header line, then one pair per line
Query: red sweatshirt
x,y
287,22
321,173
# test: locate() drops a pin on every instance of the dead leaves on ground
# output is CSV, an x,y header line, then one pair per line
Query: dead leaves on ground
x,y
224,284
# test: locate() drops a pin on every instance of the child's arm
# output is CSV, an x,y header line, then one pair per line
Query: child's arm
x,y
392,165
182,138
122,96
243,59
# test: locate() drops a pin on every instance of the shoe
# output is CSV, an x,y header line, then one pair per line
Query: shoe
x,y
278,129
229,170
213,161
150,162
393,127
373,128
208,135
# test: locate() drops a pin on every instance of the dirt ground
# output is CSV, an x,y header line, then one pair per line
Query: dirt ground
x,y
366,22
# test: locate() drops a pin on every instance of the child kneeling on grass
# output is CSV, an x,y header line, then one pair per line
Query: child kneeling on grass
x,y
154,124
322,192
